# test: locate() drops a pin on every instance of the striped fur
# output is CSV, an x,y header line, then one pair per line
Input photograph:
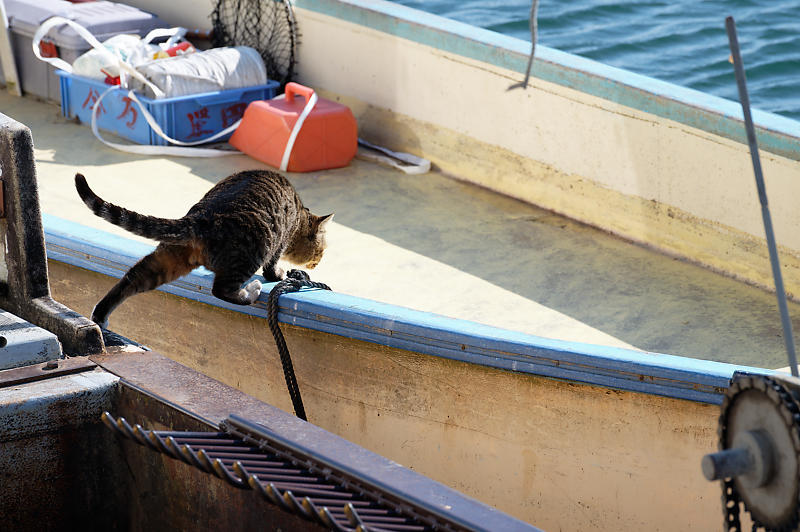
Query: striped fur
x,y
161,229
248,221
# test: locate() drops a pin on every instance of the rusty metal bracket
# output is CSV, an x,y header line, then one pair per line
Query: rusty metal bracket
x,y
51,368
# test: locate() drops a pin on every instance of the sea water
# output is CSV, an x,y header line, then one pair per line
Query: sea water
x,y
680,41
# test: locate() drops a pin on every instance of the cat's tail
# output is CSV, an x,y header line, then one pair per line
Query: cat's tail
x,y
161,229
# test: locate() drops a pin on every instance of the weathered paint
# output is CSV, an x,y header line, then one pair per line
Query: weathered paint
x,y
49,405
416,331
655,169
153,383
688,106
654,177
691,107
651,161
675,231
52,453
64,470
554,453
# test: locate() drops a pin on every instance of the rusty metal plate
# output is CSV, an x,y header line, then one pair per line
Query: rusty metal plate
x,y
186,389
51,368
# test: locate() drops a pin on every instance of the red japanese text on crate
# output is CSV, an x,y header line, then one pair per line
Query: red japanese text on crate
x,y
91,100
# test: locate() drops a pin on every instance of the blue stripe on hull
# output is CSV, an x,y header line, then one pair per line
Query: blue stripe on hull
x,y
417,331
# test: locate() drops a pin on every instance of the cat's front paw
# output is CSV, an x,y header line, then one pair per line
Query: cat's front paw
x,y
251,291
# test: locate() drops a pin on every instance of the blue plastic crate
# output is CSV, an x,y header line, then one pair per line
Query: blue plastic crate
x,y
184,118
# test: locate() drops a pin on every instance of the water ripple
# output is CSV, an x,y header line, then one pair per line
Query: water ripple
x,y
680,41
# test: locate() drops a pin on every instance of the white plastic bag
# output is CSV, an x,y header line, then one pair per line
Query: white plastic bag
x,y
96,64
208,71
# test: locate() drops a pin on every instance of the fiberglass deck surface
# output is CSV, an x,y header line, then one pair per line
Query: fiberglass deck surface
x,y
433,243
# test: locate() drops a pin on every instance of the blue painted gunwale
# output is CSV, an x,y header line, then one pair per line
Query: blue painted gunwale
x,y
417,331
776,134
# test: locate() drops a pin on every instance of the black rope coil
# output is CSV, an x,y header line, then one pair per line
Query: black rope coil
x,y
294,281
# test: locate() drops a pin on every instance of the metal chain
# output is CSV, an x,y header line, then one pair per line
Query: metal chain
x,y
783,399
295,280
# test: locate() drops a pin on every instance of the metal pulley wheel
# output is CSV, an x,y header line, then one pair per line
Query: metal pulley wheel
x,y
759,458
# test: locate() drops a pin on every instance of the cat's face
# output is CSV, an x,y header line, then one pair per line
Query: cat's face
x,y
307,250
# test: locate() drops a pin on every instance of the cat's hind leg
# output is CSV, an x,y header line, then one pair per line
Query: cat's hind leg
x,y
165,264
228,287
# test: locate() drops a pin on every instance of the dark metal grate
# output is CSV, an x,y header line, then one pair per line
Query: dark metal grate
x,y
296,484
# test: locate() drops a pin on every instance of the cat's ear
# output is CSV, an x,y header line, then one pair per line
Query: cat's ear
x,y
324,221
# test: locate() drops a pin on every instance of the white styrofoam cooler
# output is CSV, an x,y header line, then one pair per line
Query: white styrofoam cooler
x,y
103,19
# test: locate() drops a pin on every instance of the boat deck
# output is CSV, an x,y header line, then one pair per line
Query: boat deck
x,y
433,243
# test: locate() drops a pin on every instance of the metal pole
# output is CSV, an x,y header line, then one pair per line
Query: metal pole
x,y
738,68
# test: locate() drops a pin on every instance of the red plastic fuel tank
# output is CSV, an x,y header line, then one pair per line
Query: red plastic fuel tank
x,y
327,137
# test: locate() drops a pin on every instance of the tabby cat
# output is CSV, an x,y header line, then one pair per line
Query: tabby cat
x,y
247,221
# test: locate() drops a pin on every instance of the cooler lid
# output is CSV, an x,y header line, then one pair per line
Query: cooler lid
x,y
102,18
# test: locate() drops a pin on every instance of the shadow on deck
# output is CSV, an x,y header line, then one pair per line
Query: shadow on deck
x,y
436,244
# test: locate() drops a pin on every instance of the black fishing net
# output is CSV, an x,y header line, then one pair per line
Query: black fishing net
x,y
266,25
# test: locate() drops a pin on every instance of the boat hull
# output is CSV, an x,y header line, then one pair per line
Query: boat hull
x,y
554,453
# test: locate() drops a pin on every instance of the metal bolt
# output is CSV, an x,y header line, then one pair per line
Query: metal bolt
x,y
726,464
51,364
751,459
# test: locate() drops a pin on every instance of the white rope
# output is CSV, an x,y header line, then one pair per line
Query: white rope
x,y
176,151
410,164
97,45
287,152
